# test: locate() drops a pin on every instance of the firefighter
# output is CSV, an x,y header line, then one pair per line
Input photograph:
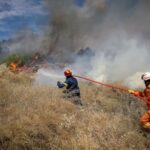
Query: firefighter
x,y
72,90
145,119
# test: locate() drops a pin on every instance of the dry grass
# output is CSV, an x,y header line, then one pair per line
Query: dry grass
x,y
37,117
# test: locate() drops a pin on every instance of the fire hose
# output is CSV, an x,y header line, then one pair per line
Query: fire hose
x,y
107,85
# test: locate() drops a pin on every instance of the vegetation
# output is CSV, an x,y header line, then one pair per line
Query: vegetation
x,y
37,117
19,59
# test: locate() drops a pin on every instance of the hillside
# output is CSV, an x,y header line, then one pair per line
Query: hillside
x,y
37,117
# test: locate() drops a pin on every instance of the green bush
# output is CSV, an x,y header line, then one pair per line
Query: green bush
x,y
20,60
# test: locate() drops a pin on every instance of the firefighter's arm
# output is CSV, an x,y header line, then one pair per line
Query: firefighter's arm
x,y
136,93
131,91
61,84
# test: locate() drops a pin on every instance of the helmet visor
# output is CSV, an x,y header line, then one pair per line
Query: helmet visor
x,y
147,82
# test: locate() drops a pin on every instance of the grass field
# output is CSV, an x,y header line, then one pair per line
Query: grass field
x,y
36,117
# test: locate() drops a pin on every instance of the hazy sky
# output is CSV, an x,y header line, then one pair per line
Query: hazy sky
x,y
17,14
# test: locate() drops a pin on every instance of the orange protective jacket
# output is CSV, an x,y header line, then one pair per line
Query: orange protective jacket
x,y
145,120
145,93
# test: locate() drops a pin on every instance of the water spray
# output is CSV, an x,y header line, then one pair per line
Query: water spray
x,y
48,74
48,77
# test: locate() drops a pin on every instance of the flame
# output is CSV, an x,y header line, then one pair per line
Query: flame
x,y
13,66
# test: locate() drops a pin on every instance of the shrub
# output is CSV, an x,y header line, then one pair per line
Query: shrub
x,y
20,60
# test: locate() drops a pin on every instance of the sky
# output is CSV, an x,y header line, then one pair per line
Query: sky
x,y
17,14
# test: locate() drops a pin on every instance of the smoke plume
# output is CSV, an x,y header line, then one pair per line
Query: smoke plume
x,y
117,32
25,41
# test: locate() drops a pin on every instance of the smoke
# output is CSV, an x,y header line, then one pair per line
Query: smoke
x,y
135,81
116,31
25,41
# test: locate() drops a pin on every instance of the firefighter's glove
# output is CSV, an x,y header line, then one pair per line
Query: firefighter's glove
x,y
147,125
131,91
135,93
60,84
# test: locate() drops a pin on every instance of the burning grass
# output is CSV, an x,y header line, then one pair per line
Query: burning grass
x,y
37,117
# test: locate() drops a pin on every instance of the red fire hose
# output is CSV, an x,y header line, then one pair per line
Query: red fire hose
x,y
107,85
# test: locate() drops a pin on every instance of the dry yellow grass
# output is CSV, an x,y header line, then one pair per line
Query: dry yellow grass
x,y
37,117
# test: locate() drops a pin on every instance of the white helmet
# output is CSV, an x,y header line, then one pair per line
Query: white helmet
x,y
146,76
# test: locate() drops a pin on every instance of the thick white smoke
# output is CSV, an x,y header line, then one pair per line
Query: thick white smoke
x,y
116,31
134,81
26,41
121,57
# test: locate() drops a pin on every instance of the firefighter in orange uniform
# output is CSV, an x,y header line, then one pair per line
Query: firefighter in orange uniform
x,y
145,119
